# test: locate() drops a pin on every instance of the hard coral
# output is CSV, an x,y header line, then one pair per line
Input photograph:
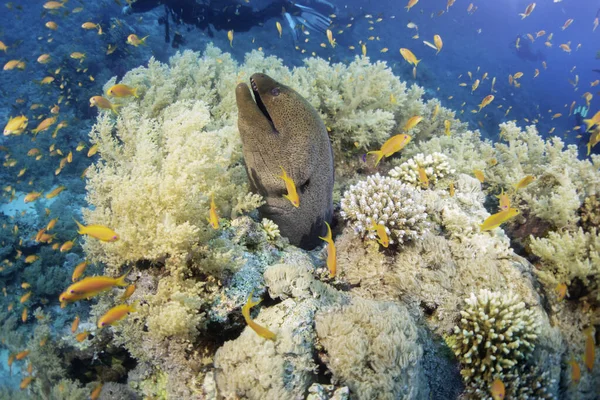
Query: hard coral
x,y
386,201
435,165
495,333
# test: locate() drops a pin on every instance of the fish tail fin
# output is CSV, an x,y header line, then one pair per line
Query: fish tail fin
x,y
121,280
114,108
418,61
523,16
379,155
589,148
589,123
135,93
79,226
143,40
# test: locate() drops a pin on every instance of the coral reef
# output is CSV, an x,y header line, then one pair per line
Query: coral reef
x,y
495,333
386,201
570,256
435,165
373,348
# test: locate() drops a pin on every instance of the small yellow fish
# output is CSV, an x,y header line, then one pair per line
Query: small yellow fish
x,y
567,23
122,90
230,37
213,217
423,179
526,14
66,246
93,150
412,122
590,351
80,337
24,315
561,290
16,125
103,103
411,4
79,270
25,297
495,220
486,100
75,324
330,38
99,232
115,314
260,330
409,56
32,197
95,395
451,189
479,175
447,125
76,55
55,192
504,203
382,236
292,194
135,41
27,380
497,389
53,5
44,59
437,39
364,49
128,292
44,125
279,28
51,25
575,371
523,183
331,252
391,146
92,286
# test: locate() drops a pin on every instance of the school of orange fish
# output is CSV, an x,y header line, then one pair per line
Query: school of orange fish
x,y
89,287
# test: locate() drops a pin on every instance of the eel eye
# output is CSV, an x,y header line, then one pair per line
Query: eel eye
x,y
275,91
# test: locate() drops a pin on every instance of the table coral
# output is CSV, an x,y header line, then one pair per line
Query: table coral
x,y
386,201
495,333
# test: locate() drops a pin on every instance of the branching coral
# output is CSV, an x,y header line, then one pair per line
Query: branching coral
x,y
372,347
563,180
435,165
566,256
496,332
387,201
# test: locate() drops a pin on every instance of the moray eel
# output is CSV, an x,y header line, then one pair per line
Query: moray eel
x,y
282,129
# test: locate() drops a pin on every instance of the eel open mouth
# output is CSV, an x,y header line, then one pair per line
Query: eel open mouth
x,y
260,103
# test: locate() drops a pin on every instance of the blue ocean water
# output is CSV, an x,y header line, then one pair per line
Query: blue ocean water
x,y
479,41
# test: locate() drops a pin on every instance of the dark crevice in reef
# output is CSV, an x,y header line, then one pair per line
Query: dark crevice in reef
x,y
111,365
323,375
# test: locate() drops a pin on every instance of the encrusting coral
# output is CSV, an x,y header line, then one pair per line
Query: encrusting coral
x,y
386,201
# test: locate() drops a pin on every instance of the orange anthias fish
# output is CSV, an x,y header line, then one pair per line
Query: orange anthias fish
x,y
135,41
99,232
486,100
115,314
589,354
528,11
331,252
575,371
412,122
261,330
79,270
497,389
213,217
103,103
409,57
75,324
495,220
523,183
382,236
391,146
122,90
92,286
292,194
411,4
96,392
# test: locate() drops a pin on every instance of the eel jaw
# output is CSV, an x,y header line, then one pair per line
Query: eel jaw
x,y
261,105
